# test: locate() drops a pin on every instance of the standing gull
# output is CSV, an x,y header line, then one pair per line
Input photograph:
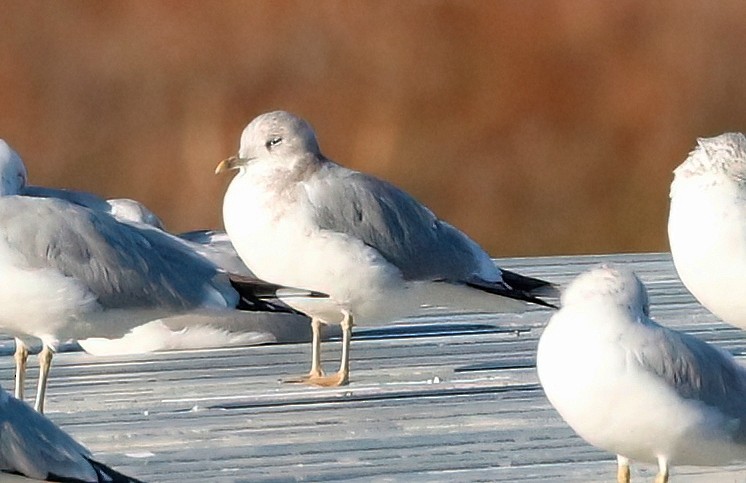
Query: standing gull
x,y
707,225
296,217
32,445
70,272
635,388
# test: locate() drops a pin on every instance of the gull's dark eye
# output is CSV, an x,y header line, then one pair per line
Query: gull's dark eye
x,y
273,142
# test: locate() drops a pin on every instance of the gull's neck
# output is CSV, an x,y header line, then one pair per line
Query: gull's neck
x,y
281,175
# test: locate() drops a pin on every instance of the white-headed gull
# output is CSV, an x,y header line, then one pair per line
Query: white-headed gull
x,y
296,217
635,388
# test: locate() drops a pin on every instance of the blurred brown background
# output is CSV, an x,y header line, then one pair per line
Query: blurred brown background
x,y
537,127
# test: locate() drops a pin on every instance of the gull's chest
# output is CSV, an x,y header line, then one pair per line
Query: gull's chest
x,y
260,208
707,233
267,224
707,218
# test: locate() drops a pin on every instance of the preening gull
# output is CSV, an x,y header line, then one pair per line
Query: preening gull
x,y
296,217
707,225
77,273
635,388
32,445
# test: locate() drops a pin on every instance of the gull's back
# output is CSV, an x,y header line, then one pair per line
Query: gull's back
x,y
121,265
403,230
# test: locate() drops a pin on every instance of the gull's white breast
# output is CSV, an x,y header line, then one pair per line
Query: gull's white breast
x,y
707,234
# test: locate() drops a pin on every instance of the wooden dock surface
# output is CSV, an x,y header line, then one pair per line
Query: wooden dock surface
x,y
437,398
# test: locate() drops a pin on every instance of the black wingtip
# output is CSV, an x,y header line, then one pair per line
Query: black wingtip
x,y
105,474
505,290
530,285
108,474
263,289
260,296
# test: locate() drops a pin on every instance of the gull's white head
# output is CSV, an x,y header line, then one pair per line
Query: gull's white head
x,y
608,285
13,173
715,158
279,136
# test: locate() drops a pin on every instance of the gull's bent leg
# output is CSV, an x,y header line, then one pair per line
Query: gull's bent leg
x,y
622,471
45,362
21,357
662,476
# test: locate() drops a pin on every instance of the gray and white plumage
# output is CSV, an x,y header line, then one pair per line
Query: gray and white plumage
x,y
32,445
80,273
635,388
291,189
107,264
707,225
377,251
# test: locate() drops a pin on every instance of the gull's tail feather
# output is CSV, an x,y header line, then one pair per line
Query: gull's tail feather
x,y
262,288
505,290
530,285
259,295
108,474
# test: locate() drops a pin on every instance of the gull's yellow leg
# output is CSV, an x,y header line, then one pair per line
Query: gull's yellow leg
x,y
316,370
45,362
622,471
342,377
662,476
21,357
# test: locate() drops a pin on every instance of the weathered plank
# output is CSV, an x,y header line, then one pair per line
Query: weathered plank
x,y
449,397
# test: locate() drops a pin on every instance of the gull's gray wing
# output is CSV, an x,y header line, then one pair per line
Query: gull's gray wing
x,y
124,266
89,200
695,369
386,218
